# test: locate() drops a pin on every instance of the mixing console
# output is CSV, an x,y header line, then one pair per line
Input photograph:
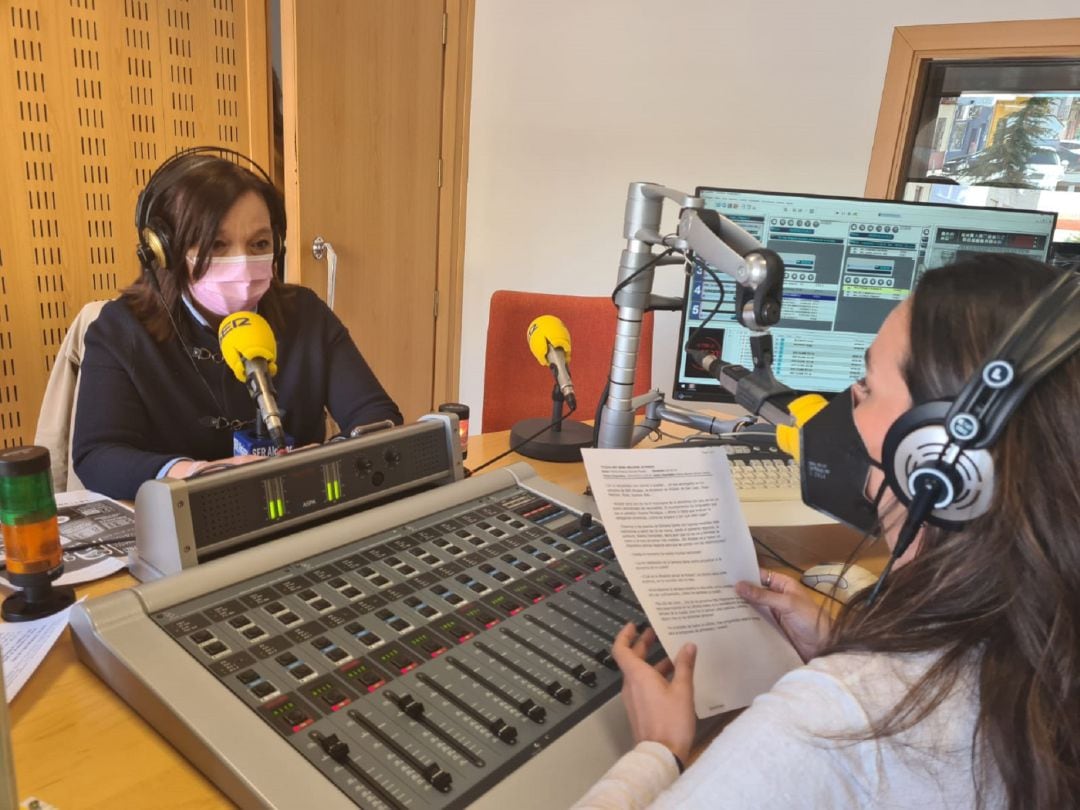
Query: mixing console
x,y
413,667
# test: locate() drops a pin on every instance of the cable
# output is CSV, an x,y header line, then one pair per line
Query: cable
x,y
600,410
599,415
84,546
715,311
191,355
776,556
919,509
788,564
874,530
522,443
96,543
647,266
739,438
881,581
694,262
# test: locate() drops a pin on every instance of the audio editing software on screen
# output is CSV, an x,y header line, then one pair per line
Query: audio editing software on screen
x,y
848,263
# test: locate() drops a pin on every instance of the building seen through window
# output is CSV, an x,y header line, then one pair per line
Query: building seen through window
x,y
1003,133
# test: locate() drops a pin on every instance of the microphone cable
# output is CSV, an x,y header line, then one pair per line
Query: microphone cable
x,y
598,417
715,310
515,447
649,265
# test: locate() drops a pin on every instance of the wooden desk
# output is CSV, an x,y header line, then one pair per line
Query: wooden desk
x,y
78,745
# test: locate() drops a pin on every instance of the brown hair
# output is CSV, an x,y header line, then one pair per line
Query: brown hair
x,y
1003,594
189,198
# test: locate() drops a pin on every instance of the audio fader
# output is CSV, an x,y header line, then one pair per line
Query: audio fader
x,y
420,655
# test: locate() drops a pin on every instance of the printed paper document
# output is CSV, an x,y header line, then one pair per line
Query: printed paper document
x,y
674,520
24,645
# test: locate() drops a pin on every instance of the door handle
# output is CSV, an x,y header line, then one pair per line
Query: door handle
x,y
322,249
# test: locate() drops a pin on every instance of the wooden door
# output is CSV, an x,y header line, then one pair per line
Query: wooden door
x,y
362,88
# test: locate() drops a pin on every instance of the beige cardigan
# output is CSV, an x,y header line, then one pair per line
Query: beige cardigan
x,y
56,420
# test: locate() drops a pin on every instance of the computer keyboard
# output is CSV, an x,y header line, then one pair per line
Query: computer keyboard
x,y
763,474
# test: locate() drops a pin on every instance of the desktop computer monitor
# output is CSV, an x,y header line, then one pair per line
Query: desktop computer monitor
x,y
848,262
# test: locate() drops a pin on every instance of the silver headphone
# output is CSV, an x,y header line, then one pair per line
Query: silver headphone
x,y
937,454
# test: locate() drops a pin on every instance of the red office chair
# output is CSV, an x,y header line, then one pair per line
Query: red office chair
x,y
517,387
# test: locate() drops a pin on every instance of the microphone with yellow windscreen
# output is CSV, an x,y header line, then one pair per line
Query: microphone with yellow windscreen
x,y
558,438
248,348
803,409
549,342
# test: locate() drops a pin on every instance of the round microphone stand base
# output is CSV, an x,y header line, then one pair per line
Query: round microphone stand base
x,y
562,445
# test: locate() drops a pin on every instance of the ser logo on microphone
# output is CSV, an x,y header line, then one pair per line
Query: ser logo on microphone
x,y
248,348
532,330
232,323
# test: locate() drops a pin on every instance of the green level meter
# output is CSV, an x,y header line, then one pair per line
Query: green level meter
x,y
275,508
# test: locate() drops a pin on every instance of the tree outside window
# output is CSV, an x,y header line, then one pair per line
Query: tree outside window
x,y
1003,133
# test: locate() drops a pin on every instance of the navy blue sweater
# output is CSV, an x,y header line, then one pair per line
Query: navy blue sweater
x,y
141,403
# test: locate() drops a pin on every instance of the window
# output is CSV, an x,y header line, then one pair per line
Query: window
x,y
984,114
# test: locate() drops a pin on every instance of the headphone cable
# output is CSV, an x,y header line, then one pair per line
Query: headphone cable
x,y
918,511
151,272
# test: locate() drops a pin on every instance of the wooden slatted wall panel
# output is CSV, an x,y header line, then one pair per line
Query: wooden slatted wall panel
x,y
93,95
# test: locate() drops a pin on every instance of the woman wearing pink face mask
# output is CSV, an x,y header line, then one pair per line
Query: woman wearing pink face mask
x,y
155,398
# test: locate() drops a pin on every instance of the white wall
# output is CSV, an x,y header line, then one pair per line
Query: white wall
x,y
574,99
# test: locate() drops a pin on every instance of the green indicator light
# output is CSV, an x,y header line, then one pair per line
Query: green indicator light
x,y
270,509
329,491
337,490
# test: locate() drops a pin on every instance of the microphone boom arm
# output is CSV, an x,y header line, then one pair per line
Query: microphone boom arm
x,y
706,236
657,410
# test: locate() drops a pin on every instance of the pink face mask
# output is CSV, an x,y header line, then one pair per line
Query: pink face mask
x,y
232,283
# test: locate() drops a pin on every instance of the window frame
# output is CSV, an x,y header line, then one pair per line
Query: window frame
x,y
915,46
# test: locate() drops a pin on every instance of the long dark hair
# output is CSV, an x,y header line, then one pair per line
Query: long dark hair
x,y
190,198
1003,595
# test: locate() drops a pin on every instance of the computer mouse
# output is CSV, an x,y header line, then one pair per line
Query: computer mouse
x,y
833,579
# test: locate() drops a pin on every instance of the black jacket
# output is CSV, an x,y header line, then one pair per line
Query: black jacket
x,y
141,403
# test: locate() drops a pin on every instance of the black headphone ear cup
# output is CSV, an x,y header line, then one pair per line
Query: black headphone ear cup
x,y
279,255
913,447
277,225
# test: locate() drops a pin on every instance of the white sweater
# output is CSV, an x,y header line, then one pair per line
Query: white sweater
x,y
781,753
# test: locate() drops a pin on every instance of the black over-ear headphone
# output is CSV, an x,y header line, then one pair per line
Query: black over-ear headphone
x,y
156,238
936,456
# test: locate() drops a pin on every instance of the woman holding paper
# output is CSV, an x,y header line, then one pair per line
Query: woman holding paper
x,y
956,684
